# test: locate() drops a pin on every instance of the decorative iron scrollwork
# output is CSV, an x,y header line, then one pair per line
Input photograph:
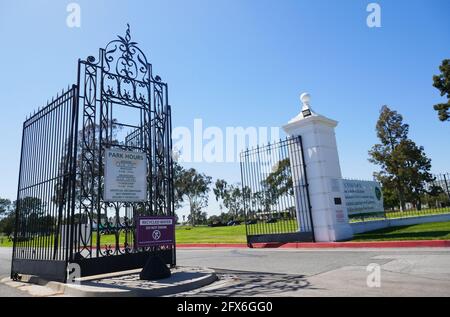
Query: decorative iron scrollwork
x,y
126,59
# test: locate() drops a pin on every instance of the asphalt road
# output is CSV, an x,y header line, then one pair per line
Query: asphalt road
x,y
283,272
246,272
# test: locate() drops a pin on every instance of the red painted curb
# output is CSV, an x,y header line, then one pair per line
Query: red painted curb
x,y
326,245
211,245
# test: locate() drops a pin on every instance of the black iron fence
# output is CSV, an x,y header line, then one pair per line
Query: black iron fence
x,y
46,177
434,199
277,206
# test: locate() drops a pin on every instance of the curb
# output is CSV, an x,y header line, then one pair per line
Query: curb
x,y
325,245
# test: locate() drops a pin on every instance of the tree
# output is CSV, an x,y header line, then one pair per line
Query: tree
x,y
7,224
178,173
391,131
436,196
416,171
220,191
404,166
279,182
390,196
32,217
198,216
5,207
232,197
193,187
442,82
7,217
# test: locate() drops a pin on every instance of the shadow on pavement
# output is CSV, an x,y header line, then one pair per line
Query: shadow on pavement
x,y
238,283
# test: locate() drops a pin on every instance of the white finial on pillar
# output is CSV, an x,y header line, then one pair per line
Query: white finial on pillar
x,y
305,98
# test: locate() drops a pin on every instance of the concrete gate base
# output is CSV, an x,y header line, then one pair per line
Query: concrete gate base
x,y
122,284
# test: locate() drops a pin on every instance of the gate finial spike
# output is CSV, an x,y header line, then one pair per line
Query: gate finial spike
x,y
128,34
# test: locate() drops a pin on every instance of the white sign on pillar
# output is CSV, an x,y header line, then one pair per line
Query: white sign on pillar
x,y
321,159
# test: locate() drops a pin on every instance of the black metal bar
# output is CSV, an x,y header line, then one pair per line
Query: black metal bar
x,y
446,186
244,200
307,191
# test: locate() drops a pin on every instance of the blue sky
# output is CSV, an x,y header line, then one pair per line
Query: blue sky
x,y
241,63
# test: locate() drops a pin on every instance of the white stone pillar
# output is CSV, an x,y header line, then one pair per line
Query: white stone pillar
x,y
329,213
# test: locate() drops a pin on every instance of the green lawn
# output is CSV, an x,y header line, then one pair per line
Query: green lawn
x,y
236,234
184,234
233,234
415,213
4,242
425,231
400,214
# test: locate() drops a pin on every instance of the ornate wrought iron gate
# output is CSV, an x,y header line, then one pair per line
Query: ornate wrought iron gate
x,y
61,214
275,187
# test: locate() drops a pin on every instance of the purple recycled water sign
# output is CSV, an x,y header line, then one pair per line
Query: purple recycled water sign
x,y
155,231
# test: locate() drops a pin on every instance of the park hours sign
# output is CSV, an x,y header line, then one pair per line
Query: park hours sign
x,y
125,176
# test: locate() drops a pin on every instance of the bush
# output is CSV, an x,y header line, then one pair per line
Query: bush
x,y
224,219
216,224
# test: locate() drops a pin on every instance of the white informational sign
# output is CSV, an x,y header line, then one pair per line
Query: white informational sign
x,y
363,197
125,176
